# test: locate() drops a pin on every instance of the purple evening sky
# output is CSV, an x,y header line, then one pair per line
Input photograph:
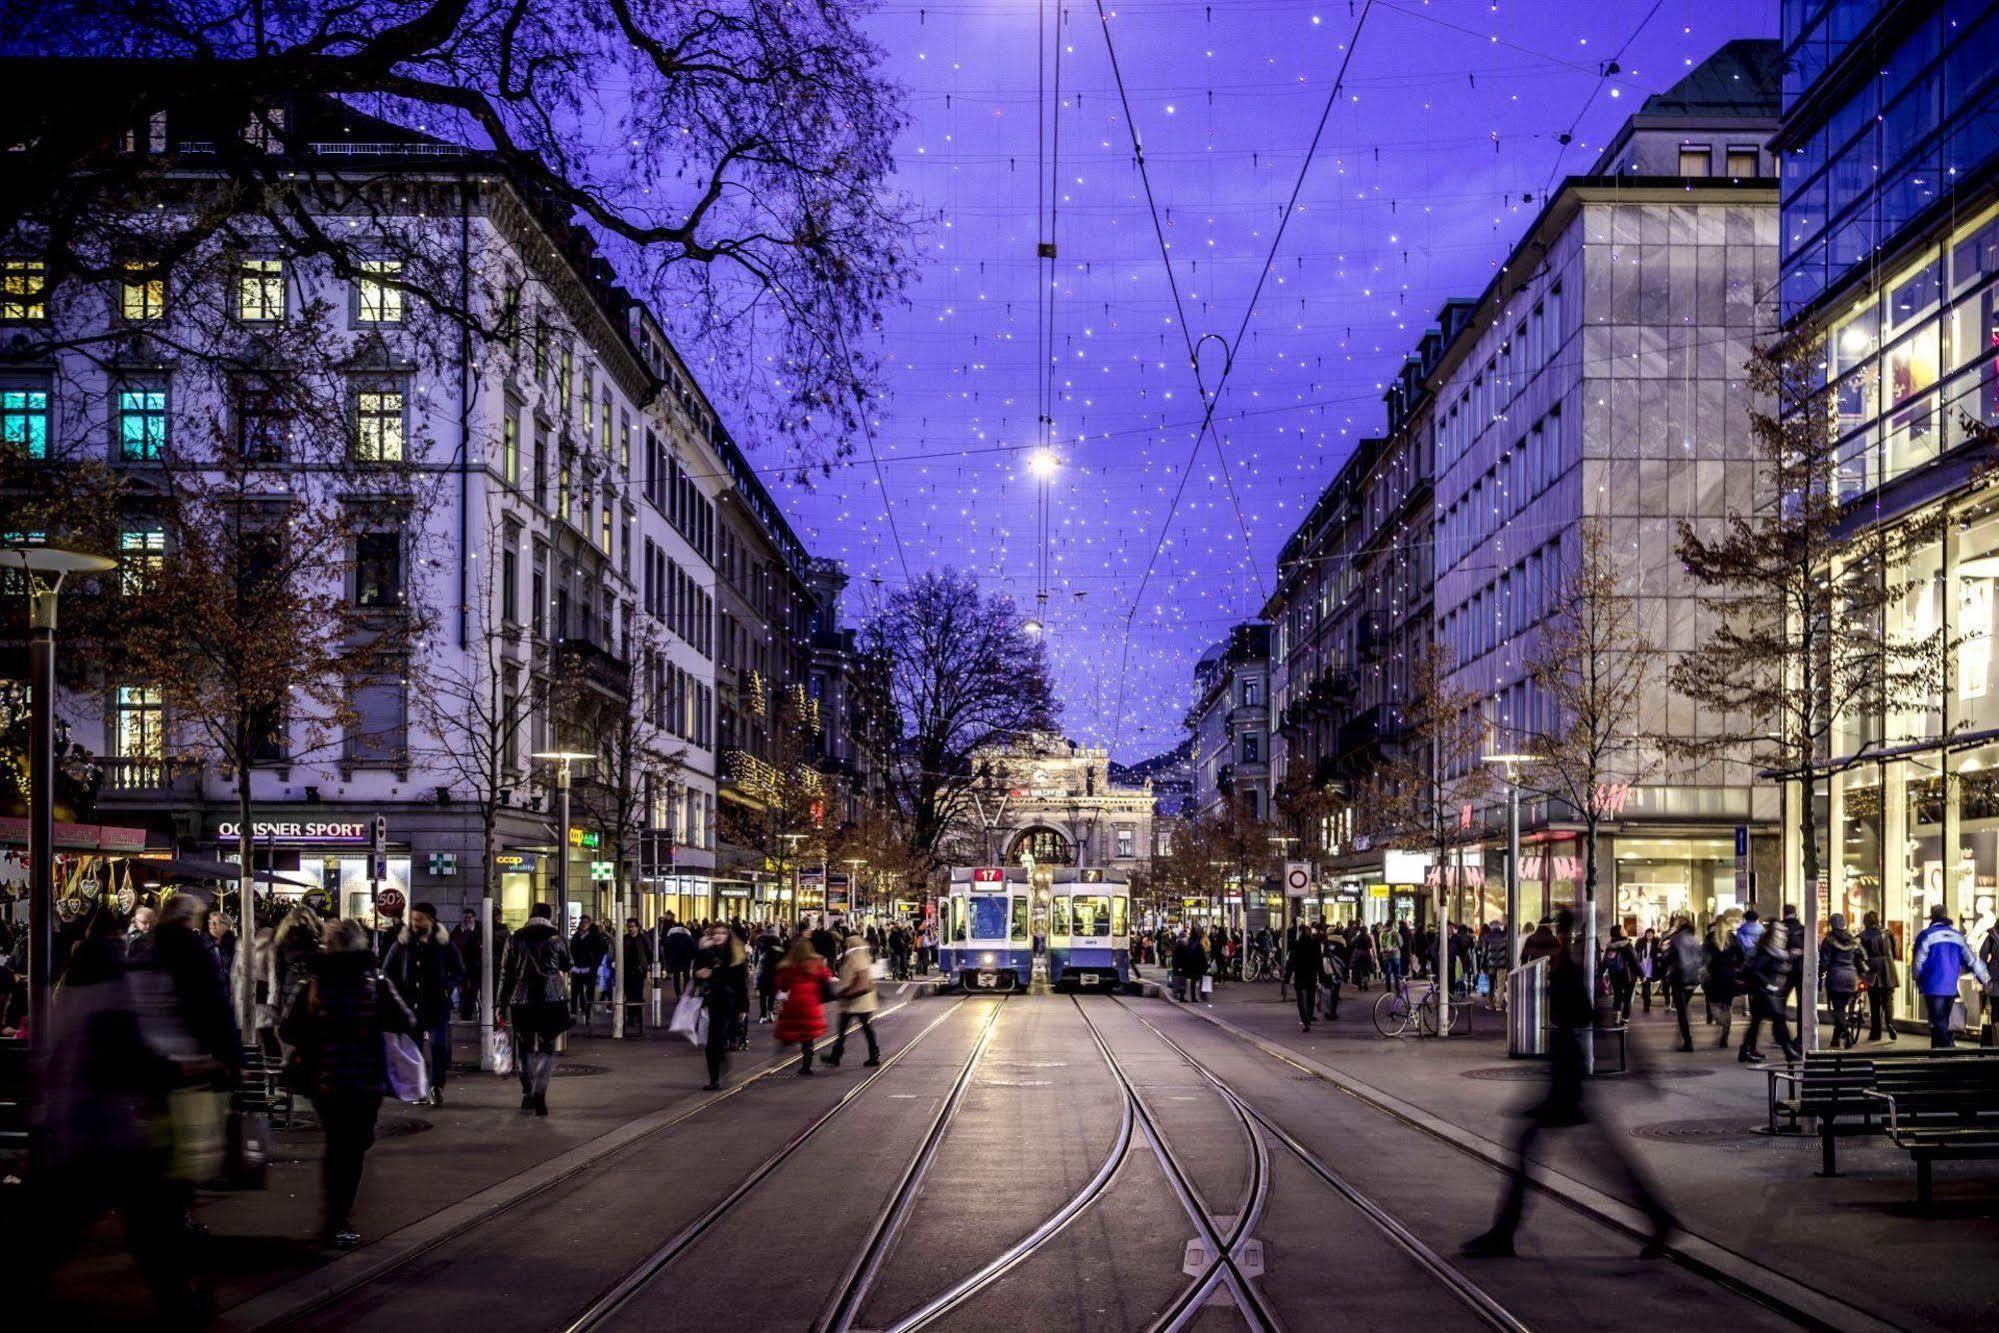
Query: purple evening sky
x,y
1448,124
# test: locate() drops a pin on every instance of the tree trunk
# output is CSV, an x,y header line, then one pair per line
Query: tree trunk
x,y
1589,938
246,904
1808,964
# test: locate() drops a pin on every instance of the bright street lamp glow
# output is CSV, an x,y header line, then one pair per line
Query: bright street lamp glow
x,y
1043,463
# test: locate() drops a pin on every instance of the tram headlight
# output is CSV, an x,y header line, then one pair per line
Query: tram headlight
x,y
988,959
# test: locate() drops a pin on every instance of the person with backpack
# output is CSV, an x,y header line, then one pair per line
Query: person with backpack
x,y
1768,973
534,985
1620,969
1333,969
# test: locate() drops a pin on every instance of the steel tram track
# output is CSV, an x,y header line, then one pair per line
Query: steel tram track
x,y
328,1299
1222,1269
1224,1266
1852,1316
1468,1292
611,1301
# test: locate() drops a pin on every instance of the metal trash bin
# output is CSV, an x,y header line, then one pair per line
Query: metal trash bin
x,y
1527,1009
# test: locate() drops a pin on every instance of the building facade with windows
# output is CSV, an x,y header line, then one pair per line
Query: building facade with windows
x,y
1890,280
1601,380
1230,722
582,558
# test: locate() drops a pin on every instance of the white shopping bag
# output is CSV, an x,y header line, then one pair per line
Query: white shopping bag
x,y
409,1075
502,1047
1207,985
687,1017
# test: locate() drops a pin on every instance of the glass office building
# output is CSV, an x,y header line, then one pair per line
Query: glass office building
x,y
1890,145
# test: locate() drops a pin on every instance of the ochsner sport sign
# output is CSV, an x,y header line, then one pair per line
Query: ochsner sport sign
x,y
327,831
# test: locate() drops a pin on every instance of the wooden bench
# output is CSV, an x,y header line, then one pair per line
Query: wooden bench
x,y
1828,1075
1942,1110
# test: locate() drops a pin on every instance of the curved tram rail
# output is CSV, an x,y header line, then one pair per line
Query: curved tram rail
x,y
656,1262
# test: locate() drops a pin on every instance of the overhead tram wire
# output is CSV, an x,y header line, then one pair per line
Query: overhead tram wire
x,y
1605,72
1179,307
1269,261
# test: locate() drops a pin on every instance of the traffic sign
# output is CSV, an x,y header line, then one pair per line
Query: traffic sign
x,y
1297,876
390,902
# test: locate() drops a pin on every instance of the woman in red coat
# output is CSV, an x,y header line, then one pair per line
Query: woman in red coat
x,y
803,1018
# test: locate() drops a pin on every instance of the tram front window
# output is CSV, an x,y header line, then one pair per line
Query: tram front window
x,y
988,916
1120,925
1091,913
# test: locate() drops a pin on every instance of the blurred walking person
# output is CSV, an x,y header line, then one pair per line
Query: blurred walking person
x,y
1681,962
534,986
587,950
1721,956
1767,973
471,963
721,968
802,977
1566,1106
336,1023
858,1001
104,1088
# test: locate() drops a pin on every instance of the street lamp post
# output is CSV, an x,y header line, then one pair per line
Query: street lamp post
x,y
43,569
791,841
562,760
854,863
1511,762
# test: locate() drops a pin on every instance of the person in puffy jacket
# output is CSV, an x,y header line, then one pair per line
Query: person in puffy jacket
x,y
1841,960
802,1019
426,971
1769,971
534,987
336,1024
858,1000
1941,959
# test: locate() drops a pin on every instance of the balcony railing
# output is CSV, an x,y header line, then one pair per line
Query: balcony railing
x,y
596,667
147,777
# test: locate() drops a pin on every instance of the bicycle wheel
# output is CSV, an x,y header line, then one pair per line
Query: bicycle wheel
x,y
1391,1014
1426,1015
1252,968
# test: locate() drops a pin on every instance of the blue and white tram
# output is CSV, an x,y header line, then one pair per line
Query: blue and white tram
x,y
1089,929
982,935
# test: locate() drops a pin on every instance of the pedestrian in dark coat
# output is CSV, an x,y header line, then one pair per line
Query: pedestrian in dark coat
x,y
1879,951
1840,963
802,977
1721,958
336,1023
426,971
1308,958
587,950
634,962
471,963
534,987
721,968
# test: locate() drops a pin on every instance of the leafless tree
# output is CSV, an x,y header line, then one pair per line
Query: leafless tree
x,y
948,676
734,156
1424,797
1592,663
1803,591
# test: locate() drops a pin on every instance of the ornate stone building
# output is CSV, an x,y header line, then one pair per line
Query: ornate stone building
x,y
1053,798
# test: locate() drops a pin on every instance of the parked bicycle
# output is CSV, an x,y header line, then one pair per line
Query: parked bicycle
x,y
1409,1004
